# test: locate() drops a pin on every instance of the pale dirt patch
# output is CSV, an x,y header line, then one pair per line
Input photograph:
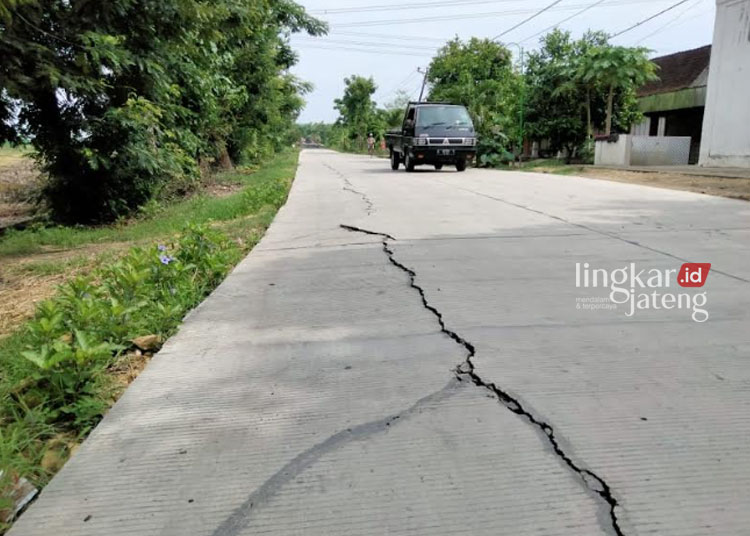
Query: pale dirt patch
x,y
718,186
21,289
128,367
18,182
19,296
219,189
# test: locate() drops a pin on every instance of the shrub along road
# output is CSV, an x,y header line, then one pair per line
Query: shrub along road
x,y
124,289
409,354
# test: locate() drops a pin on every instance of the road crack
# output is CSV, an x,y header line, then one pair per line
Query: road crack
x,y
240,518
466,371
349,187
600,232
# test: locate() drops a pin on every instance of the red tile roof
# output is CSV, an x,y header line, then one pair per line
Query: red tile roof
x,y
678,71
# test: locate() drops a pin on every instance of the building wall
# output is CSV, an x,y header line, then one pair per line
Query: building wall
x,y
613,153
726,125
631,150
660,151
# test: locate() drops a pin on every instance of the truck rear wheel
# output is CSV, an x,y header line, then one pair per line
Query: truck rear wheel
x,y
408,163
395,160
461,165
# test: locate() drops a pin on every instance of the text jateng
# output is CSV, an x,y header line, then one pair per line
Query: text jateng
x,y
649,288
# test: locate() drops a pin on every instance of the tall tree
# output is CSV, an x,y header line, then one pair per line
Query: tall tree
x,y
357,114
615,68
121,99
568,99
554,109
479,74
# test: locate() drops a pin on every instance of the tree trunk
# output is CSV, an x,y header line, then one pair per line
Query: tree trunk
x,y
610,105
225,161
568,153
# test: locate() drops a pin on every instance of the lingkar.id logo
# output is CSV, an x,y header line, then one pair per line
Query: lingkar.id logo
x,y
646,289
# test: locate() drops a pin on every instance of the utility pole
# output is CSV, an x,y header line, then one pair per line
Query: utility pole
x,y
424,81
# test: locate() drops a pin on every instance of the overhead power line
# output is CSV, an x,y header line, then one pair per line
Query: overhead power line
x,y
532,17
376,44
652,17
461,16
400,85
367,51
670,23
400,7
566,19
391,36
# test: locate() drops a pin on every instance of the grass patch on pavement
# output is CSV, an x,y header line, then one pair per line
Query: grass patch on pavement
x,y
62,369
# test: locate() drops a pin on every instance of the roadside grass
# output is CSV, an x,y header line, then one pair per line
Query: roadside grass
x,y
63,368
552,165
160,221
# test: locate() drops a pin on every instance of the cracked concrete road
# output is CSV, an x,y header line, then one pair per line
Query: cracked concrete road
x,y
433,375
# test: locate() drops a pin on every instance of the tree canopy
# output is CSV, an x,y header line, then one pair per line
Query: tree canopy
x,y
123,100
569,96
479,74
356,107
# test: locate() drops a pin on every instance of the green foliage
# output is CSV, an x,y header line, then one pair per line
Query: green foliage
x,y
555,105
57,374
479,74
124,99
392,114
357,113
358,117
569,96
614,68
169,218
54,373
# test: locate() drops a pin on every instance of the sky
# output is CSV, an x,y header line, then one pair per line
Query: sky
x,y
389,40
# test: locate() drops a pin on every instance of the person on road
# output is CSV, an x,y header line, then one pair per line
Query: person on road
x,y
371,144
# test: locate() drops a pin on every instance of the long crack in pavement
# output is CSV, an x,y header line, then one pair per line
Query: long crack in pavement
x,y
349,187
598,231
466,370
240,518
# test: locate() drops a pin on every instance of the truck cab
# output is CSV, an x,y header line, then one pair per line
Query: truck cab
x,y
433,133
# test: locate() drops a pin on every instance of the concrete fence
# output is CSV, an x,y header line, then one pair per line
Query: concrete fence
x,y
631,150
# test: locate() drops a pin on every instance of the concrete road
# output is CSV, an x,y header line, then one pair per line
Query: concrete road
x,y
443,375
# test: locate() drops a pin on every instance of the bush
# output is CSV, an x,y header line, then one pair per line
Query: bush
x,y
54,374
129,158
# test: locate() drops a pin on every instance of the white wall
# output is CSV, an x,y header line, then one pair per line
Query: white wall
x,y
660,151
631,150
726,125
613,153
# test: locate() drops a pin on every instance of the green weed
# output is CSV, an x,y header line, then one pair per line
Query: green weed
x,y
56,376
166,220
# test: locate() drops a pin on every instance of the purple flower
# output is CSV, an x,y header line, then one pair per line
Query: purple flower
x,y
162,247
166,259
